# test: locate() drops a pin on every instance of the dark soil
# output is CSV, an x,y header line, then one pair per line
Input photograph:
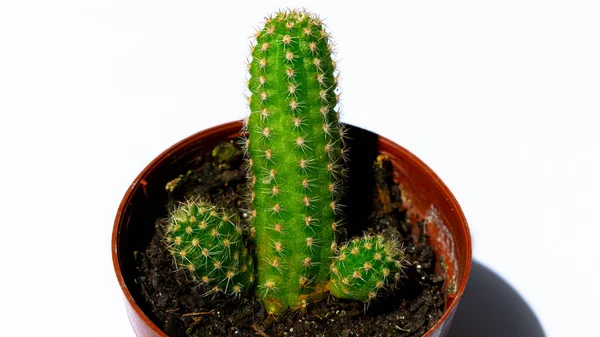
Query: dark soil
x,y
180,308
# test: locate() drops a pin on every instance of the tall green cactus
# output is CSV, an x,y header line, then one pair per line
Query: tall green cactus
x,y
295,156
295,160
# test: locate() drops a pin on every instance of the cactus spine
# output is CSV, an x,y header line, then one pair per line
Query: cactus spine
x,y
209,244
294,158
364,267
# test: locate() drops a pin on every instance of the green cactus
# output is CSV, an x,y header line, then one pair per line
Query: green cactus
x,y
295,161
365,267
208,243
295,158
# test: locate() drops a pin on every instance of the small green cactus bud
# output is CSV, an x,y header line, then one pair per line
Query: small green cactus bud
x,y
295,159
208,243
364,267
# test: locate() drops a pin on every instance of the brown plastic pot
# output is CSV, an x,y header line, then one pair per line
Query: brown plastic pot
x,y
424,193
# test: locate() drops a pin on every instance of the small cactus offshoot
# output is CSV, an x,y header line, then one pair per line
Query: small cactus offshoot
x,y
208,243
365,267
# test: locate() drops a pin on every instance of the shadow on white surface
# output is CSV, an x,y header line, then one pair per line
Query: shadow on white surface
x,y
490,307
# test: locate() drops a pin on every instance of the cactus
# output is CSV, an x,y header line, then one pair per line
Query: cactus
x,y
364,267
209,244
295,156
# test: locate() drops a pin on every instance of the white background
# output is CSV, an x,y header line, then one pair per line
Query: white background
x,y
500,99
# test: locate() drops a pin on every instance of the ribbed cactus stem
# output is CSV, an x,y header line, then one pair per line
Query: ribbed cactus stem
x,y
365,267
295,156
208,243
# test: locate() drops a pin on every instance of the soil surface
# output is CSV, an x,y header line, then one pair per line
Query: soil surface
x,y
180,307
